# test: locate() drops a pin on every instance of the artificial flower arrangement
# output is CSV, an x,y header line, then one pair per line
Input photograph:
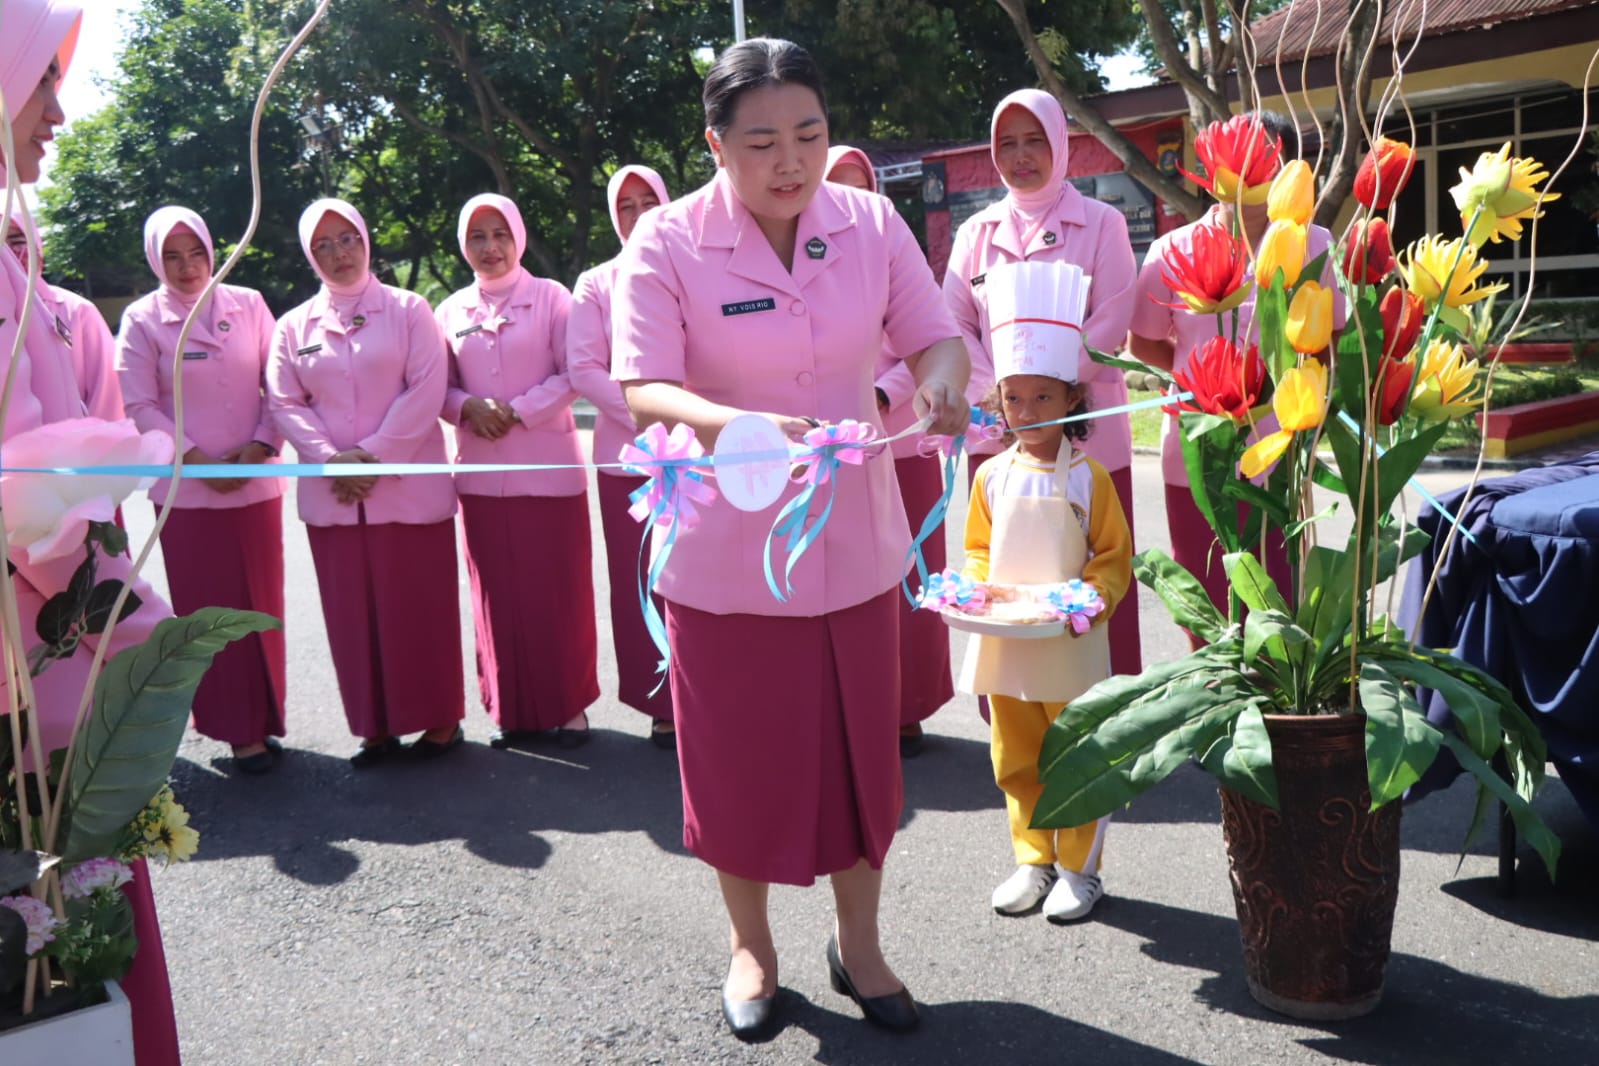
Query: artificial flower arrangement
x,y
1377,397
73,819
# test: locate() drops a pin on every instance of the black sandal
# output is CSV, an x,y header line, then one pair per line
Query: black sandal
x,y
370,755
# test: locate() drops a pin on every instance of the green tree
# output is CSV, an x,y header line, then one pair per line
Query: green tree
x,y
177,131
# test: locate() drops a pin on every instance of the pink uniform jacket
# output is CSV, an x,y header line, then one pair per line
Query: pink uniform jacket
x,y
702,299
224,366
588,364
377,383
516,356
1081,231
82,326
1187,331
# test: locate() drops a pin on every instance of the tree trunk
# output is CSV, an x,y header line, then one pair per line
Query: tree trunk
x,y
1346,128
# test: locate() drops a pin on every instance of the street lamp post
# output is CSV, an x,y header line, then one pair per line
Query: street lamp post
x,y
738,20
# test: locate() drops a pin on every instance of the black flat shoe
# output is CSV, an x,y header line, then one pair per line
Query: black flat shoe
x,y
274,746
666,739
423,748
259,763
750,1019
910,744
572,738
895,1012
501,739
370,755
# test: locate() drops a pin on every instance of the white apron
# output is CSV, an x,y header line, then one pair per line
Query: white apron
x,y
1037,540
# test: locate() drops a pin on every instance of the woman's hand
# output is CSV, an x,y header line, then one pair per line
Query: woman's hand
x,y
355,488
793,427
487,418
946,405
198,457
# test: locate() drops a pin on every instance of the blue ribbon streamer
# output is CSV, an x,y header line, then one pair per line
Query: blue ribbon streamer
x,y
1415,484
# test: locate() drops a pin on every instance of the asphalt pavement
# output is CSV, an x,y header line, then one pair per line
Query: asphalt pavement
x,y
514,908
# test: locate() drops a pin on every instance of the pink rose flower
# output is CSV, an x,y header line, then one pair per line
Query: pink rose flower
x,y
47,515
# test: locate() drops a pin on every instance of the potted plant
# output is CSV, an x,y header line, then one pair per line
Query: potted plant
x,y
1301,702
72,819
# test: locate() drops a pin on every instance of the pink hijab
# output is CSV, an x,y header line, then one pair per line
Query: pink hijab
x,y
843,153
513,218
157,228
309,219
1029,211
613,191
36,31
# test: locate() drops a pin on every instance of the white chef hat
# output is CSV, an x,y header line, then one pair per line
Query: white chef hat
x,y
1035,316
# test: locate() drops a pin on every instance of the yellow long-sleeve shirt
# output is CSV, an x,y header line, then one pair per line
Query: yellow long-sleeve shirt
x,y
1093,499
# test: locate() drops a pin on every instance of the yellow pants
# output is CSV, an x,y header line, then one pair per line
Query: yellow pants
x,y
1017,730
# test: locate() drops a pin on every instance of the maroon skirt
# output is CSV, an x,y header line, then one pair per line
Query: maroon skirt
x,y
788,738
637,657
391,602
531,569
1126,646
925,680
233,557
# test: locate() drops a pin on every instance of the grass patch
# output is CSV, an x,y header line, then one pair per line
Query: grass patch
x,y
1146,423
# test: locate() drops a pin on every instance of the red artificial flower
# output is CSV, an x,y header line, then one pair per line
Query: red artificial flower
x,y
1403,314
1209,278
1223,379
1392,389
1370,255
1383,173
1240,159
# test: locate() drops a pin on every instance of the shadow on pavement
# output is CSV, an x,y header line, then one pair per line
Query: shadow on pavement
x,y
1431,1013
497,802
963,1033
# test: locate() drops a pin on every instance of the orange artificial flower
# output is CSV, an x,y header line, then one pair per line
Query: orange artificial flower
x,y
1383,173
1209,277
1239,157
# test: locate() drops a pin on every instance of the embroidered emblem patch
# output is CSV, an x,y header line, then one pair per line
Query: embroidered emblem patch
x,y
1049,236
358,321
815,248
224,325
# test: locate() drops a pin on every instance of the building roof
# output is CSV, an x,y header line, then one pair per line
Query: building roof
x,y
1316,27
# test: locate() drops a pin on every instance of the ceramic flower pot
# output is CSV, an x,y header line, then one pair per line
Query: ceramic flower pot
x,y
1316,881
101,1034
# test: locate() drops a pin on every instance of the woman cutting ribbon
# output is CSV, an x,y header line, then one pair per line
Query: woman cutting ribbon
x,y
768,291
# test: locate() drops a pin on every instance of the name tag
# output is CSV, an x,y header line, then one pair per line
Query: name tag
x,y
749,307
468,331
978,280
309,349
195,355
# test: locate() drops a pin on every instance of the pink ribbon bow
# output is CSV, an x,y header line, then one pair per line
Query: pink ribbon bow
x,y
673,463
841,442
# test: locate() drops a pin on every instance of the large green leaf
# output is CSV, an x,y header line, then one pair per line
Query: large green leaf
x,y
1356,363
1254,586
1207,442
1528,823
1241,758
1137,747
1277,634
141,705
1400,742
1399,464
1475,711
1182,593
1271,312
1328,587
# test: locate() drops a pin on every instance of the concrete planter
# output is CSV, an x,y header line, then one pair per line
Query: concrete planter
x,y
1525,427
101,1035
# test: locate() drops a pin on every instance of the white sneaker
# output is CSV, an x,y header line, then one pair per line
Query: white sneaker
x,y
1073,896
1021,891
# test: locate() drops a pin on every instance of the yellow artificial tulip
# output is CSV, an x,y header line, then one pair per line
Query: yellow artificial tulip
x,y
1310,318
1282,248
1446,384
1431,271
1504,189
1300,404
1292,195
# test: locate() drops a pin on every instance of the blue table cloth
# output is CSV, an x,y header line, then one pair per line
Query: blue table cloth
x,y
1520,598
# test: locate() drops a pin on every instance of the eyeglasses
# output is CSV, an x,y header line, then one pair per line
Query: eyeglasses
x,y
348,241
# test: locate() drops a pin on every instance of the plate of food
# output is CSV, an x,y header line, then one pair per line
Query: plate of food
x,y
1007,611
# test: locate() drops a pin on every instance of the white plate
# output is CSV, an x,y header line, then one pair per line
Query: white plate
x,y
989,627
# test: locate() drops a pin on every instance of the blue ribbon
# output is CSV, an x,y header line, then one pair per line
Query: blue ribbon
x,y
1415,484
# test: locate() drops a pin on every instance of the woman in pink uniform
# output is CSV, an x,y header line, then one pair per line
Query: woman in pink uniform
x,y
82,326
1043,217
633,190
769,291
35,50
925,681
1165,336
358,375
527,532
223,541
